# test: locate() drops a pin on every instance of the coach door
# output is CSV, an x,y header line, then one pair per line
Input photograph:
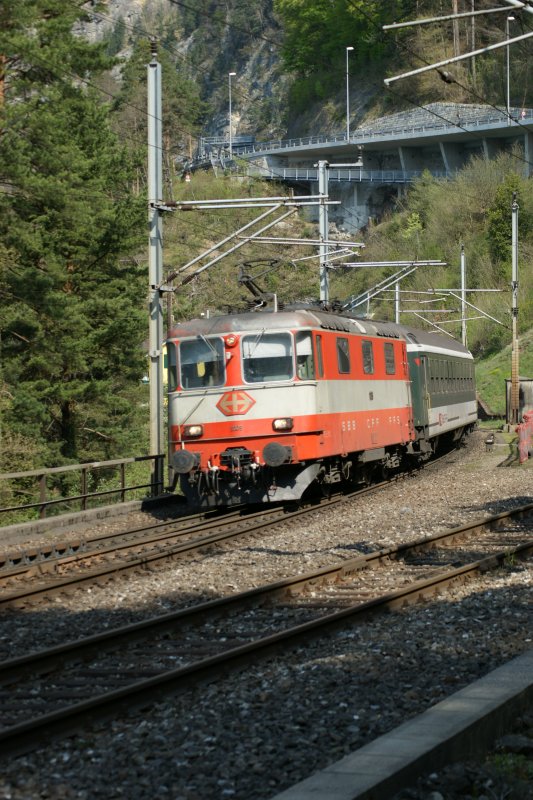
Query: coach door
x,y
419,373
426,397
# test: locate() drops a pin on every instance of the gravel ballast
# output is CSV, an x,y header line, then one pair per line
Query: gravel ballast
x,y
254,733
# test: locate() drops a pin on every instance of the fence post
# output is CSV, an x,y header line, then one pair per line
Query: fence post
x,y
122,482
42,496
523,440
528,422
84,489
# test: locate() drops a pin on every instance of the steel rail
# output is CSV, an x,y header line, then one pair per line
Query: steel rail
x,y
23,736
61,553
244,526
275,514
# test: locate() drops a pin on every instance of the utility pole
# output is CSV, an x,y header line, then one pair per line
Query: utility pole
x,y
230,76
323,221
348,51
155,266
463,296
3,62
515,379
473,42
455,11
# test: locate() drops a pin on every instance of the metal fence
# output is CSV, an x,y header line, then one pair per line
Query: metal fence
x,y
380,176
363,135
43,483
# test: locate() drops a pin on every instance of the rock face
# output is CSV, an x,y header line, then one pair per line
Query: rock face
x,y
101,23
207,47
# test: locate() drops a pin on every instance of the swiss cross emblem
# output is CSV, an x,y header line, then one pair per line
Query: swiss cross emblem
x,y
232,403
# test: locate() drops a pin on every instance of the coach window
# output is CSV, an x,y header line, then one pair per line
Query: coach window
x,y
390,364
368,358
305,363
319,356
267,357
172,370
343,355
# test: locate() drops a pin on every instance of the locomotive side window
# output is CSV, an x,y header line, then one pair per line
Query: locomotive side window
x,y
368,358
319,356
171,365
390,364
305,363
267,357
202,363
343,355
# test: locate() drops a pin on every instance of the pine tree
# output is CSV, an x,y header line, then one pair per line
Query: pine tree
x,y
72,300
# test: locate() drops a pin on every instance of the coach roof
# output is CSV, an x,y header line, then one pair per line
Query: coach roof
x,y
309,317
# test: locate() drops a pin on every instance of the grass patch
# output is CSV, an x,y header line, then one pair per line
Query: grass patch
x,y
491,373
511,765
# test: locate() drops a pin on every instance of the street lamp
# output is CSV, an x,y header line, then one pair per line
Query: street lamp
x,y
509,19
347,96
230,76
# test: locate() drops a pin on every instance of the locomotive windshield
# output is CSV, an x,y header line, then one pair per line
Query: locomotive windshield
x,y
267,357
202,363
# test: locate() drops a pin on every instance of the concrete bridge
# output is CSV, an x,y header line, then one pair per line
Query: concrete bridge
x,y
396,149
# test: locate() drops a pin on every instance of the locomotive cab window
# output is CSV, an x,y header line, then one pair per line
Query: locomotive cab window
x,y
343,355
171,365
305,363
390,363
202,363
267,357
368,358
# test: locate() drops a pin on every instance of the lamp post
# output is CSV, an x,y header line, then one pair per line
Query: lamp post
x,y
348,49
509,19
230,76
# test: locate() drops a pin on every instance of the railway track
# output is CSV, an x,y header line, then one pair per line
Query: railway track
x,y
67,569
30,576
57,691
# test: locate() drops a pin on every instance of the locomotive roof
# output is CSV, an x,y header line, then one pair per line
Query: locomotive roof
x,y
313,318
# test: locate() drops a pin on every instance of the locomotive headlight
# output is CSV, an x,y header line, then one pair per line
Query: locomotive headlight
x,y
283,424
192,431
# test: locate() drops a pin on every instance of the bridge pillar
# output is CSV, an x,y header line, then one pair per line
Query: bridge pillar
x,y
528,153
491,148
359,203
410,158
356,206
451,156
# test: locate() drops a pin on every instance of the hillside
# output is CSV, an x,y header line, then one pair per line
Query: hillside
x,y
73,239
289,57
491,373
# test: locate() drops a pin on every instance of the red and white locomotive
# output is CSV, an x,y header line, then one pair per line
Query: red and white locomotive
x,y
264,404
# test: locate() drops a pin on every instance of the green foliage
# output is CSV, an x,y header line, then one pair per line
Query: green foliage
x,y
513,765
117,38
71,306
316,36
494,369
188,234
499,230
182,108
473,209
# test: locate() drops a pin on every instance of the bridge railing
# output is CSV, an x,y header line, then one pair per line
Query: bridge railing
x,y
360,135
357,175
42,489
